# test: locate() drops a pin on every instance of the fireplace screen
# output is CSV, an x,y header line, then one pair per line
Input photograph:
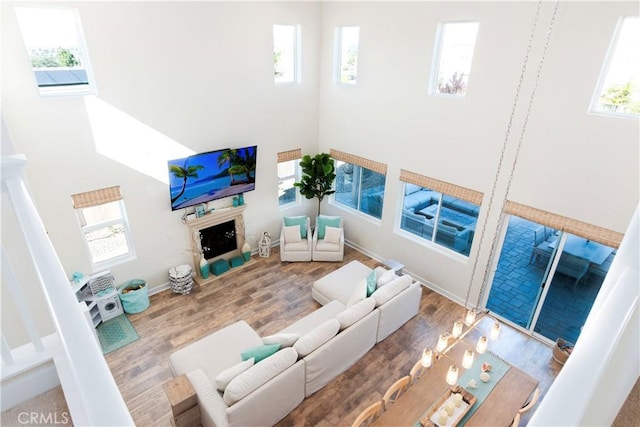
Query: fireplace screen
x,y
219,239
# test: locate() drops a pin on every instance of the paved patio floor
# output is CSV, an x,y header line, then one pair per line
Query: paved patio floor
x,y
517,285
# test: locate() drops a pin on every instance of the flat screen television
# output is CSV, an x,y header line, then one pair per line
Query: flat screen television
x,y
213,175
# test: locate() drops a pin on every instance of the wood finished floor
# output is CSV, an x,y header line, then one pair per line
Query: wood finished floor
x,y
269,295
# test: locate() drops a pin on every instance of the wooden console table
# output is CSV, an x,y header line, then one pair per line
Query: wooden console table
x,y
184,404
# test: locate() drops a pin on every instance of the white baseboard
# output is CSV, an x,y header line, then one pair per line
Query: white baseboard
x,y
28,383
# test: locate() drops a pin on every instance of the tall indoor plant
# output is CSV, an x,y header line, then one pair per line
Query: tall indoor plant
x,y
318,174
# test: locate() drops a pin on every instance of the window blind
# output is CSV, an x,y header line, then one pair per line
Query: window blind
x,y
463,193
96,197
559,222
378,167
286,156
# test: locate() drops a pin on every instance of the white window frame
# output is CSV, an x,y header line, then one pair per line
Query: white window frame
x,y
113,261
437,60
61,90
296,178
604,72
358,172
297,55
338,48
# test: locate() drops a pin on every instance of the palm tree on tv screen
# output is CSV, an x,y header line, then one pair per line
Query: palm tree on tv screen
x,y
185,173
241,162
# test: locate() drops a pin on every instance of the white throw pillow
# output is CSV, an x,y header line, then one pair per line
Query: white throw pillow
x,y
392,289
292,234
332,234
316,337
359,293
284,339
386,278
224,378
356,312
258,374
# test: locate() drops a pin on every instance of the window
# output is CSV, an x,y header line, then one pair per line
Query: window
x,y
103,221
55,45
439,212
618,91
286,53
288,174
347,54
549,271
359,183
455,42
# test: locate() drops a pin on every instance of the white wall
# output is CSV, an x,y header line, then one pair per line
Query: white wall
x,y
572,163
198,74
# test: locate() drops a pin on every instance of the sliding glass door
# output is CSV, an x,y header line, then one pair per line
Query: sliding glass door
x,y
545,280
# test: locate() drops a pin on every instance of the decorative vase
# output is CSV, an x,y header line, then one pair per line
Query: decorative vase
x,y
241,199
235,201
246,251
204,267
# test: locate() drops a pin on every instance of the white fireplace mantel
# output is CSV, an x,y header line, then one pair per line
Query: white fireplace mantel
x,y
215,217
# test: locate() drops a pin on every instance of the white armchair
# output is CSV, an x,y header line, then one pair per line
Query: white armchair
x,y
328,239
294,247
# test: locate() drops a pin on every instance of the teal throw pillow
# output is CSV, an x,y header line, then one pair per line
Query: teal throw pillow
x,y
260,352
324,221
372,284
297,220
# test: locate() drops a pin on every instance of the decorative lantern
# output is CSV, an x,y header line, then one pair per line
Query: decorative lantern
x,y
264,247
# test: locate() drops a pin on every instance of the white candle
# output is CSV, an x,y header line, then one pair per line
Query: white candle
x,y
449,407
442,417
457,399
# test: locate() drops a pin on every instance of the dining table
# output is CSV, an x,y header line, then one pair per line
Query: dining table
x,y
505,397
595,252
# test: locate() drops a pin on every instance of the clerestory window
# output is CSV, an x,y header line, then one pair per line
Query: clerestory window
x,y
618,89
455,42
56,48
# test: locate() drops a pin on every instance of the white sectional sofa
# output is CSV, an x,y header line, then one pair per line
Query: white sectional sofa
x,y
326,343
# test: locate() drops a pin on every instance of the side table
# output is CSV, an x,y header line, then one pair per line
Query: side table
x,y
183,401
394,265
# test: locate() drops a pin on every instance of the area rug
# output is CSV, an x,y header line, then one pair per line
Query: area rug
x,y
116,333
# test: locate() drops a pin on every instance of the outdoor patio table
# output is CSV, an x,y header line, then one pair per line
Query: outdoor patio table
x,y
577,246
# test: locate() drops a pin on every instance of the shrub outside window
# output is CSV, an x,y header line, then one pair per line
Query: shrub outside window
x,y
439,218
452,58
618,91
359,188
55,44
347,39
287,175
286,53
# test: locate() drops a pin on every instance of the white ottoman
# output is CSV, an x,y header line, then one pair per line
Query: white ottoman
x,y
339,285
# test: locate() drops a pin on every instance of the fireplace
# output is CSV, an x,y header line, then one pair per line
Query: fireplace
x,y
218,235
218,239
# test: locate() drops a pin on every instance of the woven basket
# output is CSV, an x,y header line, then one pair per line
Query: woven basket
x,y
181,279
562,351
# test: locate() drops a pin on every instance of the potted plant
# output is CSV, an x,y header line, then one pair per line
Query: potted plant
x,y
318,174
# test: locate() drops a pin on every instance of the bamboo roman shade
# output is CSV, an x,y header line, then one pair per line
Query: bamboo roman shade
x,y
96,197
286,156
463,193
559,222
378,167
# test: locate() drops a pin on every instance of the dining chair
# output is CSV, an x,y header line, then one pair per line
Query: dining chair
x,y
369,415
416,372
538,237
395,391
516,420
534,398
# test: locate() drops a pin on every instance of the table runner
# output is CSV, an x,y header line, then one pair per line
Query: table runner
x,y
498,369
